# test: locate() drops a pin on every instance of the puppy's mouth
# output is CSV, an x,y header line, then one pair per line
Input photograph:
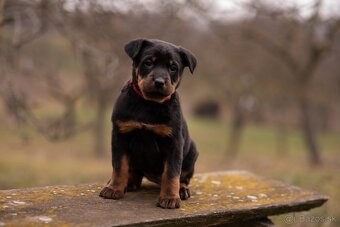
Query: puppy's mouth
x,y
156,93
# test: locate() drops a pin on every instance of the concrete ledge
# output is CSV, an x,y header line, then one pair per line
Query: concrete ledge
x,y
217,198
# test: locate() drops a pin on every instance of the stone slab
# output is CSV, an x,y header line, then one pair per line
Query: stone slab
x,y
222,197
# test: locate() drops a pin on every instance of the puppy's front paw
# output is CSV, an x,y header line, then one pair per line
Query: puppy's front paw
x,y
109,193
184,193
169,203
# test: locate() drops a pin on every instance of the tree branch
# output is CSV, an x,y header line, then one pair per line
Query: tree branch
x,y
267,43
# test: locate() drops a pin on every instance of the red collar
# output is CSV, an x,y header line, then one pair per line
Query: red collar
x,y
135,89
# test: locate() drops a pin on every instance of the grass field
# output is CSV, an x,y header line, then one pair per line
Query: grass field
x,y
39,162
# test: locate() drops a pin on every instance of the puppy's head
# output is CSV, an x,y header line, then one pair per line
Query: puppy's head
x,y
158,67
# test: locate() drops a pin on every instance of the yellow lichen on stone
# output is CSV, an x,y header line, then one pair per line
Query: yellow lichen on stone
x,y
230,195
233,191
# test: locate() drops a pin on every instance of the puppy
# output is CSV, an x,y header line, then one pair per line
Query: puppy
x,y
149,135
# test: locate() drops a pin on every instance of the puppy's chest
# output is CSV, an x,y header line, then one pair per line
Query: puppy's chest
x,y
147,154
130,126
141,119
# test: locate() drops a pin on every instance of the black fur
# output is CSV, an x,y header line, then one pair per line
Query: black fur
x,y
146,150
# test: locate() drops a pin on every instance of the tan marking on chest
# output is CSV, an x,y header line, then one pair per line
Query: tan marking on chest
x,y
159,129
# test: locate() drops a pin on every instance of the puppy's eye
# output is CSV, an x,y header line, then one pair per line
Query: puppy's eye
x,y
148,63
173,68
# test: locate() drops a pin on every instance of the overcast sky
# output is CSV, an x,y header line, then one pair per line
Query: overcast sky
x,y
232,7
222,8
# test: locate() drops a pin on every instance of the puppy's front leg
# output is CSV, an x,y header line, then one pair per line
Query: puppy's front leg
x,y
169,196
116,187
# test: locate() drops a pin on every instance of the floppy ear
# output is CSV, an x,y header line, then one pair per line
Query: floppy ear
x,y
133,47
188,59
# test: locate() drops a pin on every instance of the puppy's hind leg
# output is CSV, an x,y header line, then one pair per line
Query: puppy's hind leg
x,y
187,172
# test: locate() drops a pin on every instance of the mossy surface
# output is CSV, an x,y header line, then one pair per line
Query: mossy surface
x,y
216,197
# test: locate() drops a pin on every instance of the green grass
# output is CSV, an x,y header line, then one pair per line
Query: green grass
x,y
40,162
259,153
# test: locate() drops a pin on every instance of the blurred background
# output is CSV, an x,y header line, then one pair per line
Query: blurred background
x,y
264,97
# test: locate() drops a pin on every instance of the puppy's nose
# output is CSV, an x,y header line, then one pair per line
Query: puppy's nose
x,y
159,82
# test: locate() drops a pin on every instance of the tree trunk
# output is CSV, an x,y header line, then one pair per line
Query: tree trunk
x,y
236,130
99,129
309,131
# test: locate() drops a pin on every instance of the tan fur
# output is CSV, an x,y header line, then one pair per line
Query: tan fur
x,y
119,180
182,185
169,186
159,129
140,83
173,88
128,126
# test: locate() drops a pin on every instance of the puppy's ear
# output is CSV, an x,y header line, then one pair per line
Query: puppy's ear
x,y
133,47
188,59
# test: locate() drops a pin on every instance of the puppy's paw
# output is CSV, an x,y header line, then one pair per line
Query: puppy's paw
x,y
169,203
184,193
109,193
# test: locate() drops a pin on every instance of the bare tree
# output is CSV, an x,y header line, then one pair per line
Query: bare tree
x,y
93,32
318,37
29,21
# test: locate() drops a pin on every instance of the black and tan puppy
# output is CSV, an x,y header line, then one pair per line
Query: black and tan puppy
x,y
150,136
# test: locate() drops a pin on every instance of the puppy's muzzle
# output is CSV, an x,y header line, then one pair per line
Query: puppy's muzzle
x,y
159,82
